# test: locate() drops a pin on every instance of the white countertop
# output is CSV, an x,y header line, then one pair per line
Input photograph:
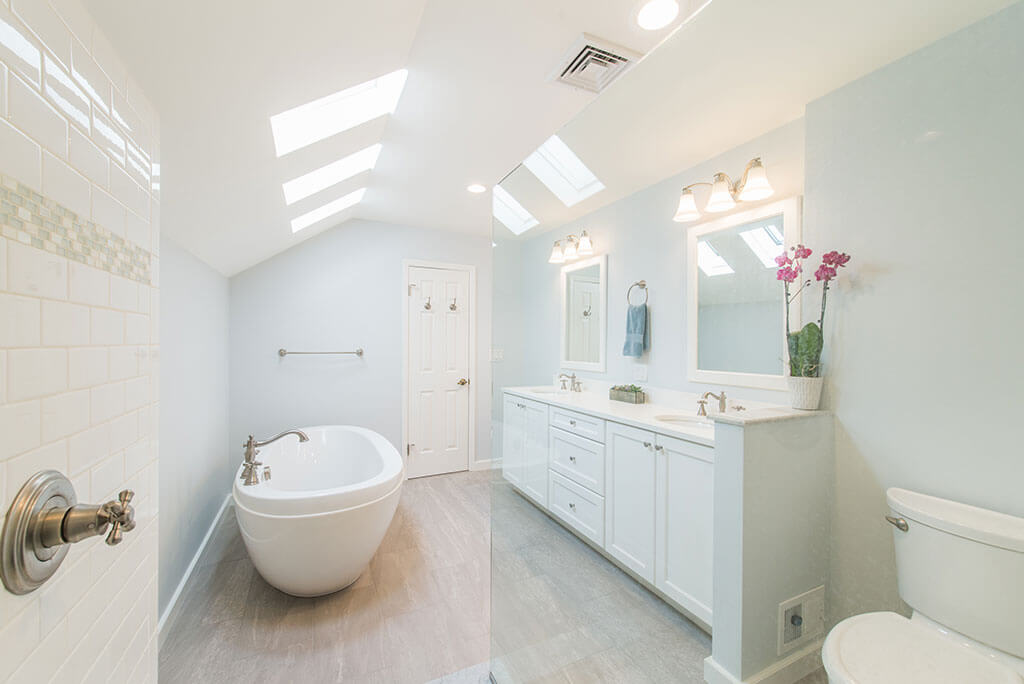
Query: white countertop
x,y
643,415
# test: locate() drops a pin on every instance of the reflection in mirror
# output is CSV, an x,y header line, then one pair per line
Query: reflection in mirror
x,y
737,324
583,315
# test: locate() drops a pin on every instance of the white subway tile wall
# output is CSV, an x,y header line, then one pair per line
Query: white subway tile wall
x,y
78,334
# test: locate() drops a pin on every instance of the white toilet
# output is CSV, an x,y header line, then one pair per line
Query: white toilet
x,y
961,569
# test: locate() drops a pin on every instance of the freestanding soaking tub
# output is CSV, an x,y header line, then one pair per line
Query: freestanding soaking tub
x,y
312,528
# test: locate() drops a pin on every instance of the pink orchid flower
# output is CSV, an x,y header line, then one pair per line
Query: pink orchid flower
x,y
783,260
825,273
787,274
802,252
834,258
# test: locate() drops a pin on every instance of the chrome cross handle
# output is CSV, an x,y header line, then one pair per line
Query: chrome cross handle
x,y
121,516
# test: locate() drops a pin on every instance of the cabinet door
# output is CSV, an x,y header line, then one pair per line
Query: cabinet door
x,y
629,498
512,427
685,524
535,452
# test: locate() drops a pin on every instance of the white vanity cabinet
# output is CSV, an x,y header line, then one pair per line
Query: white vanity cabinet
x,y
684,524
630,486
524,460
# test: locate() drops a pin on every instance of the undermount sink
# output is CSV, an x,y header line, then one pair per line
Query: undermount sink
x,y
682,419
543,390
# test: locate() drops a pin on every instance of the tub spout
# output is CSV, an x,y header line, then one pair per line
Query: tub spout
x,y
250,473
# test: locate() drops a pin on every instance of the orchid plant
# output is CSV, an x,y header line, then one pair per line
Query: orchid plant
x,y
805,346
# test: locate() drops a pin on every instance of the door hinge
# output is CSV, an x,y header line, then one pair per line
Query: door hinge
x,y
408,449
411,285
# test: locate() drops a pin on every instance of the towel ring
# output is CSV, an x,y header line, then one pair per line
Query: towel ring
x,y
642,284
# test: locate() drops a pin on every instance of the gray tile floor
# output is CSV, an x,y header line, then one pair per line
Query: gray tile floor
x,y
421,612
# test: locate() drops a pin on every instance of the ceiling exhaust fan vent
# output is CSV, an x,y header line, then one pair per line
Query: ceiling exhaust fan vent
x,y
592,63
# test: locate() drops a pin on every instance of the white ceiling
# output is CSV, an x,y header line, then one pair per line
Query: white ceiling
x,y
741,68
477,101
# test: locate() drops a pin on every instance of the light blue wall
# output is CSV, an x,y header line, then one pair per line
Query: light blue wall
x,y
913,171
340,290
196,464
642,243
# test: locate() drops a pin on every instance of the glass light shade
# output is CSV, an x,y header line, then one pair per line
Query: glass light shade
x,y
756,186
570,251
721,195
556,254
687,210
585,248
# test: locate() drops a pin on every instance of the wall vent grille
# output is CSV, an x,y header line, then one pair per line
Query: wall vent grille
x,y
592,63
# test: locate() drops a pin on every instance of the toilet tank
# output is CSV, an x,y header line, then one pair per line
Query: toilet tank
x,y
962,566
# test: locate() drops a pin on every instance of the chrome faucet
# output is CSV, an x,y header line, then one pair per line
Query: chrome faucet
x,y
575,385
702,403
250,473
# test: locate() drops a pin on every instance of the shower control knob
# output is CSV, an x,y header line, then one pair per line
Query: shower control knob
x,y
122,517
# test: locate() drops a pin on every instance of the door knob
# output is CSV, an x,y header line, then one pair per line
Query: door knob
x,y
463,381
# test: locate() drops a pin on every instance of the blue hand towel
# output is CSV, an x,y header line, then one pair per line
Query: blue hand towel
x,y
636,331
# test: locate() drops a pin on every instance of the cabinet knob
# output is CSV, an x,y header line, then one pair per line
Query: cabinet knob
x,y
572,423
659,448
572,506
572,459
647,445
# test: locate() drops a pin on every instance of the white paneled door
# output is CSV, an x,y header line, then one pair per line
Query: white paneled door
x,y
439,333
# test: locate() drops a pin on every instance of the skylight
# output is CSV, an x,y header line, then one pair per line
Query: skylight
x,y
319,119
330,209
511,213
765,242
332,174
710,261
558,167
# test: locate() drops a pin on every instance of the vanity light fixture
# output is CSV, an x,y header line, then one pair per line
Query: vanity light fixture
x,y
753,185
585,248
557,257
575,247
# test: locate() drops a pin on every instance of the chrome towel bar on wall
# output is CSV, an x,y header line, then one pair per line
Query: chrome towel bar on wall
x,y
285,352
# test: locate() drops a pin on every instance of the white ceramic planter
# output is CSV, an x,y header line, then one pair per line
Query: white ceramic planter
x,y
805,393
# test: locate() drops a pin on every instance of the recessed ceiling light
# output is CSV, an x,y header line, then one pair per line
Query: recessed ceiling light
x,y
327,210
511,213
332,174
319,119
657,14
564,174
476,188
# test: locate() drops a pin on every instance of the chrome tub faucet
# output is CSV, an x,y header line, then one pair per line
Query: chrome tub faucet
x,y
250,473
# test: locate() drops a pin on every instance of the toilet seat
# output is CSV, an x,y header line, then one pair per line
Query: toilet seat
x,y
886,648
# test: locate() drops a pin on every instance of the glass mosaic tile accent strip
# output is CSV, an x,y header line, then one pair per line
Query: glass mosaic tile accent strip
x,y
32,219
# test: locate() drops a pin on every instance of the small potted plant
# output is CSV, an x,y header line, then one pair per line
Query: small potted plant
x,y
631,394
805,346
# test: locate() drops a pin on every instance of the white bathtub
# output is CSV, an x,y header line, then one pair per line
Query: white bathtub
x,y
312,528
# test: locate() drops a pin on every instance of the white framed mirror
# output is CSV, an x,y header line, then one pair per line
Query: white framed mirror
x,y
736,314
584,314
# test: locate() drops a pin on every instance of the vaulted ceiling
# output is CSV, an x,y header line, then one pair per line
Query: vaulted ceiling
x,y
478,100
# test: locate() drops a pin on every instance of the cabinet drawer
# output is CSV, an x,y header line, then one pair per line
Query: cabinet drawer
x,y
578,458
578,423
580,508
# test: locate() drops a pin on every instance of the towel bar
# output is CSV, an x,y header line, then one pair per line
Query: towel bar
x,y
285,352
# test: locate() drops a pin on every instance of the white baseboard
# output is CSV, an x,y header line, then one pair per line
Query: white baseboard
x,y
485,465
792,668
188,571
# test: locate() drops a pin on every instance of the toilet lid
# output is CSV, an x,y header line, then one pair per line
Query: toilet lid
x,y
885,648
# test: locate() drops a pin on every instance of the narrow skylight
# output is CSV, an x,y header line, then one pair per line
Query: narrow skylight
x,y
511,213
330,209
319,119
332,174
710,261
765,242
558,167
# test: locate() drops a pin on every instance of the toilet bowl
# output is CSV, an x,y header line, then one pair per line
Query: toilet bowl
x,y
960,568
